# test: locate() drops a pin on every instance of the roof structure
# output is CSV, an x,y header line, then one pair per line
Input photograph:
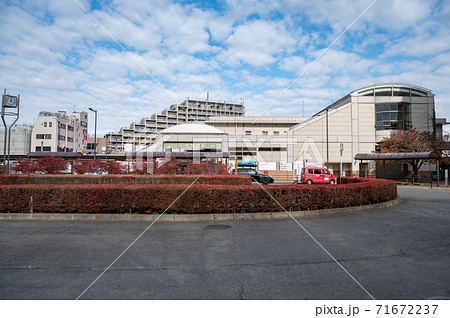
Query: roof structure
x,y
64,155
397,156
193,129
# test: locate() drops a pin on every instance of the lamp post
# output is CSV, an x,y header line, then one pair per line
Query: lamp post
x,y
341,172
328,159
95,133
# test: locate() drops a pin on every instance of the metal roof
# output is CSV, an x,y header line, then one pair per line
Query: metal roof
x,y
65,155
397,156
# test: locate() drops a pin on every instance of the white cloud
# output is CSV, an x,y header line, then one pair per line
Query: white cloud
x,y
257,43
57,56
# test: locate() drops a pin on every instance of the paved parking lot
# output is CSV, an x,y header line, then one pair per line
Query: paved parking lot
x,y
401,252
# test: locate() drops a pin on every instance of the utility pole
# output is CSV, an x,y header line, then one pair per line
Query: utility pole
x,y
95,132
342,150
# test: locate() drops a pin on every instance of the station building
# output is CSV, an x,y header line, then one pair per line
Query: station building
x,y
283,145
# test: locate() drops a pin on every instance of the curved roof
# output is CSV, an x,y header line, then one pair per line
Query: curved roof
x,y
193,129
399,85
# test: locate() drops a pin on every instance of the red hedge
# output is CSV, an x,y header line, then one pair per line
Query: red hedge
x,y
123,179
200,198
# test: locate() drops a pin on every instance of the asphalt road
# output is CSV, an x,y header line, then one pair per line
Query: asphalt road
x,y
401,252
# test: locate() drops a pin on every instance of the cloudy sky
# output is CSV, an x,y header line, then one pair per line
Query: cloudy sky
x,y
130,59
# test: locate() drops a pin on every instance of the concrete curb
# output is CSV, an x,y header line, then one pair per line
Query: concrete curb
x,y
192,217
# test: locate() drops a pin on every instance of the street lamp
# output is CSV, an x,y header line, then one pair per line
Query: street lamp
x,y
328,159
95,132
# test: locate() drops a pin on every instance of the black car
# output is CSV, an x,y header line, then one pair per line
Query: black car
x,y
255,174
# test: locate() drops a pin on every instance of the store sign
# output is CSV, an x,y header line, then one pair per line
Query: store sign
x,y
267,166
285,166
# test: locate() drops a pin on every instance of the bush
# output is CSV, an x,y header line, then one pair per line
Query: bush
x,y
47,164
123,179
200,198
97,166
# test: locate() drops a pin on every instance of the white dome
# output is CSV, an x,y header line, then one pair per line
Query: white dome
x,y
193,129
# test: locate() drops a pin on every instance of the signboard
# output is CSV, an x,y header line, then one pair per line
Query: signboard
x,y
285,166
128,147
267,166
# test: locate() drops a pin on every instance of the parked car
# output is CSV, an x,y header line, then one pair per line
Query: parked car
x,y
316,175
250,170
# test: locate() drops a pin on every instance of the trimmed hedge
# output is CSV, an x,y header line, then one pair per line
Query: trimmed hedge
x,y
199,198
59,179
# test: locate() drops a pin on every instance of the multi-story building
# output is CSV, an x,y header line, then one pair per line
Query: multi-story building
x,y
57,132
357,123
20,141
144,133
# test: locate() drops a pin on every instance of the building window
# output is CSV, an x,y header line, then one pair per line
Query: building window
x,y
61,137
248,132
45,148
43,136
366,93
395,116
383,91
69,139
50,124
400,91
62,126
265,133
276,132
70,128
417,93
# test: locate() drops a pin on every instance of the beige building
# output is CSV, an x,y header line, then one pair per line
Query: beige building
x,y
358,121
90,147
58,132
283,145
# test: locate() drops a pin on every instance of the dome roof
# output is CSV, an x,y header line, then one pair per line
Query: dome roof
x,y
193,129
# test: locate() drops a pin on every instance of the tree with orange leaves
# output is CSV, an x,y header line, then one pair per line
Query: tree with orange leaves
x,y
409,141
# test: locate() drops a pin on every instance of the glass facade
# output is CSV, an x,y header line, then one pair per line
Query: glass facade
x,y
393,91
396,116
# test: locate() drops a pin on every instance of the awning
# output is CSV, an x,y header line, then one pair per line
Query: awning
x,y
397,156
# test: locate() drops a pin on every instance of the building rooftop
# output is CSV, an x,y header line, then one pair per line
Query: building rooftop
x,y
259,120
192,129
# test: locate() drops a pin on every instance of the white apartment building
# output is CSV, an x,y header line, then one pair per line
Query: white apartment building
x,y
58,132
144,133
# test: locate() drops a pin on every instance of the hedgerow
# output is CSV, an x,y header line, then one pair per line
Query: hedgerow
x,y
198,199
122,179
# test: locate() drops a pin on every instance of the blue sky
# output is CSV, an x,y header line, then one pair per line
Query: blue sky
x,y
57,57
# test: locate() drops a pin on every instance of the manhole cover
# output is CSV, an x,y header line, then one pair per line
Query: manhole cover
x,y
218,226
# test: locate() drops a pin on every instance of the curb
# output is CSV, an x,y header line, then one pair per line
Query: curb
x,y
192,217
